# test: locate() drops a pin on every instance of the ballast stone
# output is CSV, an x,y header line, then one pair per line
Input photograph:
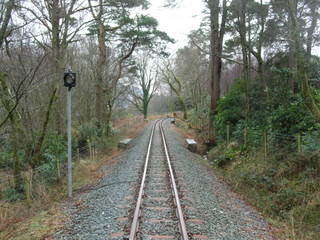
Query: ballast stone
x,y
123,144
191,145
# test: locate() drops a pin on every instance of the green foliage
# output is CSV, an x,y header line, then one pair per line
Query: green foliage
x,y
289,190
48,172
55,144
230,109
11,195
275,111
311,140
222,158
54,156
89,131
292,118
100,137
5,156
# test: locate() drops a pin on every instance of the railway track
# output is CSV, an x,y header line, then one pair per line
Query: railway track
x,y
158,213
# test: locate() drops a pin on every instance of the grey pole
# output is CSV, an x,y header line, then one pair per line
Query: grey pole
x,y
69,143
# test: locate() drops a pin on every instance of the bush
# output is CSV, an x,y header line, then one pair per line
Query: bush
x,y
287,198
292,118
11,195
54,156
222,159
89,131
5,157
48,172
310,141
230,109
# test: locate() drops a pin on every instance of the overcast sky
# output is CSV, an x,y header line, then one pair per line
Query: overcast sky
x,y
178,21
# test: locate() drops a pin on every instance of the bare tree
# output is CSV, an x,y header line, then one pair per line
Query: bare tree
x,y
175,84
144,86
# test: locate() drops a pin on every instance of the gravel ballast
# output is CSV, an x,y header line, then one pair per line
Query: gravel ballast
x,y
102,212
211,210
225,215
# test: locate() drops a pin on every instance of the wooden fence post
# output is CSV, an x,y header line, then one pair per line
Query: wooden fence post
x,y
228,134
245,136
90,148
78,154
28,182
299,142
265,144
58,169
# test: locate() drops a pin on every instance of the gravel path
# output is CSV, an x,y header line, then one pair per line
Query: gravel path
x,y
212,211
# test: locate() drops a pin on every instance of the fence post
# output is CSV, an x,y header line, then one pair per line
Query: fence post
x,y
58,169
299,142
90,149
265,144
78,154
28,182
228,134
245,136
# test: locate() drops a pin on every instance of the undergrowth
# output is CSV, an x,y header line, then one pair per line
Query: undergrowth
x,y
284,186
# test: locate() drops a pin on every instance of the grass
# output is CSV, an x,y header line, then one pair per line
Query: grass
x,y
287,191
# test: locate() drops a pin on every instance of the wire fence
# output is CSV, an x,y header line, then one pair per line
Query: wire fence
x,y
270,142
53,171
36,181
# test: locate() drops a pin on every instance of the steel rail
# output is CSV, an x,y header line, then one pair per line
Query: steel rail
x,y
135,221
183,229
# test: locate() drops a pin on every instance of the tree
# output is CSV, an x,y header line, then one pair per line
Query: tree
x,y
114,23
314,16
146,79
301,74
6,8
175,84
218,17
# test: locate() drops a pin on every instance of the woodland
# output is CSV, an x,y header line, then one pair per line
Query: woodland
x,y
247,83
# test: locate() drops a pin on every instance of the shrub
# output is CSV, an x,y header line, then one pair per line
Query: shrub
x,y
310,141
48,172
11,195
54,156
222,159
89,131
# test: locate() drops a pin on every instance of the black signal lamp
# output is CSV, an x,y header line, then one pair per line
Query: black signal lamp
x,y
69,79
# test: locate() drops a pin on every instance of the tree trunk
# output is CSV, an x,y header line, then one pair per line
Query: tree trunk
x,y
6,20
102,61
216,45
16,132
184,107
109,116
36,155
293,64
244,48
145,111
314,19
215,53
301,73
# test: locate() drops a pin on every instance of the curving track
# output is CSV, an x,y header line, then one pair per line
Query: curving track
x,y
158,213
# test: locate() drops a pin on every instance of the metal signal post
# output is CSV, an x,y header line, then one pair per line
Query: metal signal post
x,y
69,82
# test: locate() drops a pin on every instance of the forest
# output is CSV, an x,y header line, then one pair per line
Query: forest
x,y
246,85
